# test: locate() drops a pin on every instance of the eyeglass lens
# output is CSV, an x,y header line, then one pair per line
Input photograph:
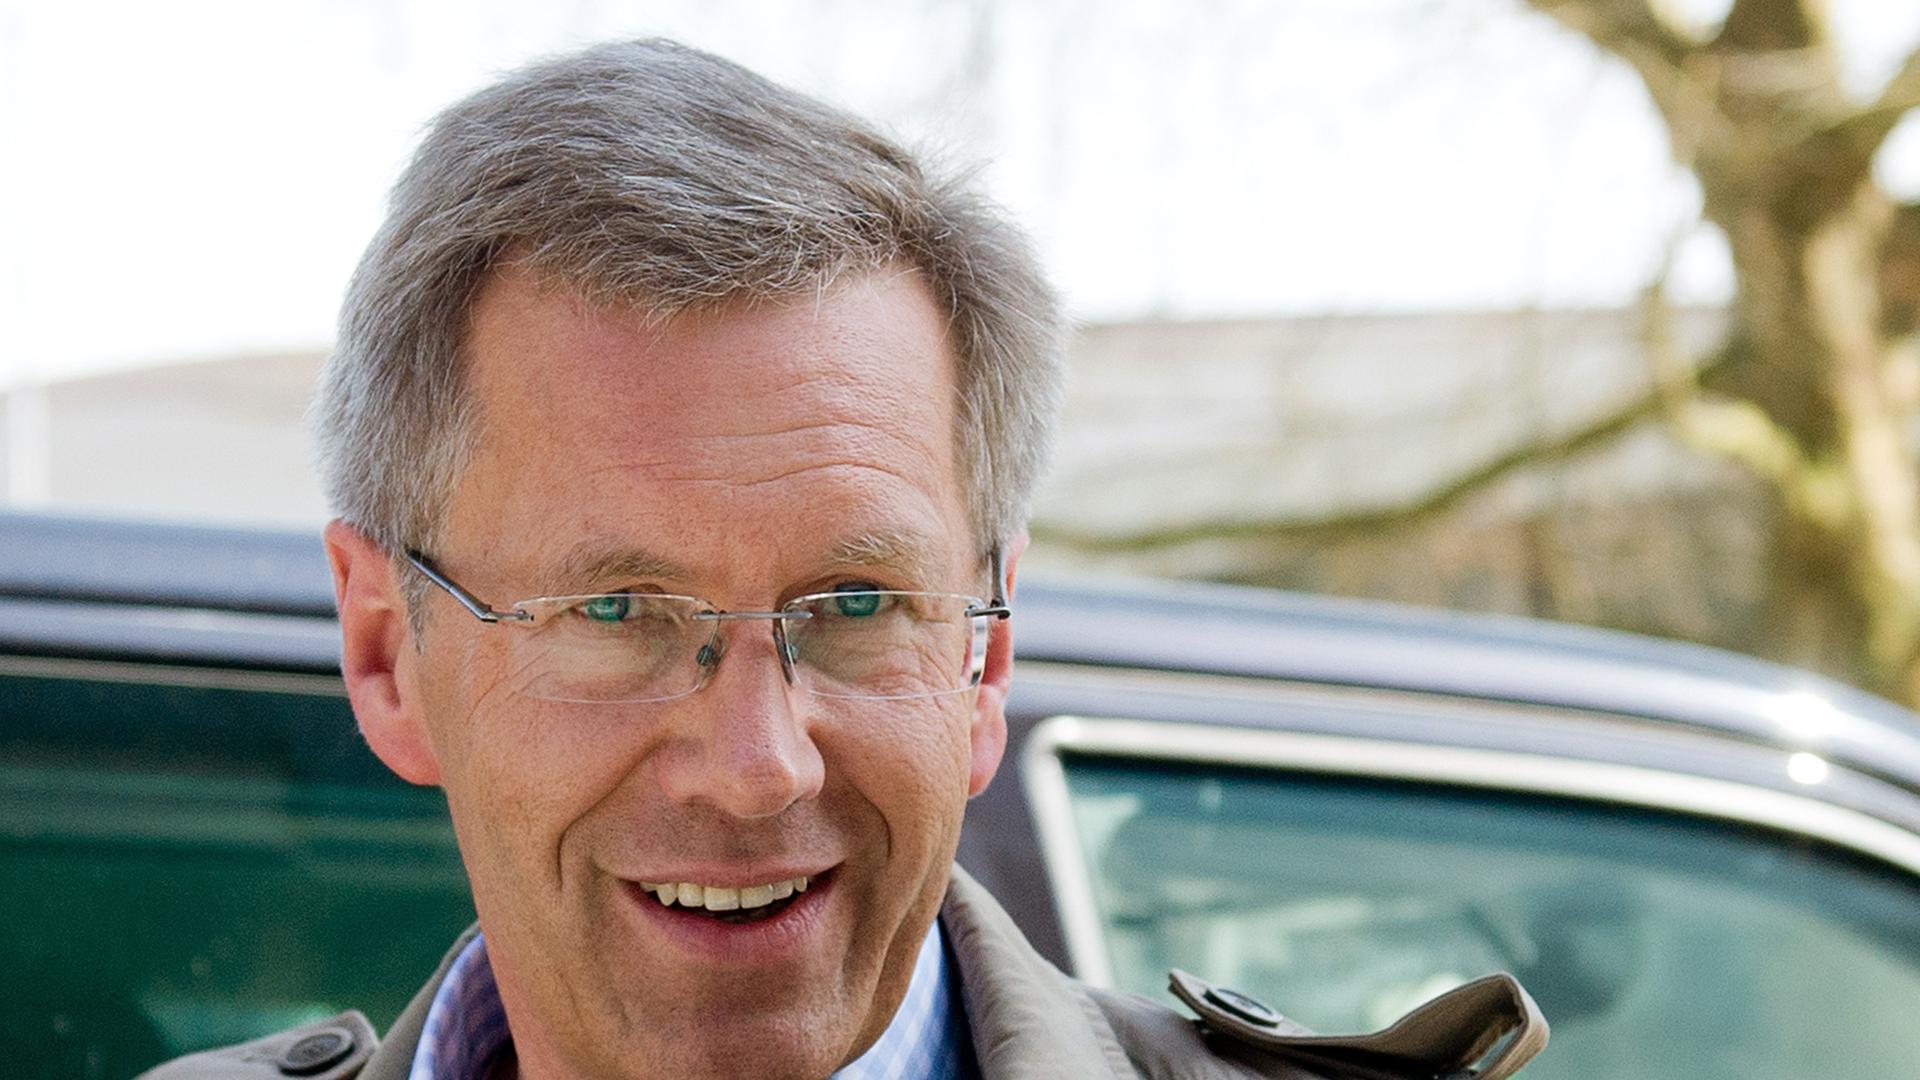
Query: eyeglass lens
x,y
862,644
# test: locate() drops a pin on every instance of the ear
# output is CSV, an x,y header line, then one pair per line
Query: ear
x,y
989,734
377,654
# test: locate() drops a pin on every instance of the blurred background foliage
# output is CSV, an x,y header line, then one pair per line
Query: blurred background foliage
x,y
1598,310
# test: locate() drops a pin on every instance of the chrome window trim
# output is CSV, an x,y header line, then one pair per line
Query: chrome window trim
x,y
1045,781
1267,690
199,678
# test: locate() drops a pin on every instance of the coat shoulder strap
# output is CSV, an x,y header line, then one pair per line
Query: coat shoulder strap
x,y
331,1049
1484,1030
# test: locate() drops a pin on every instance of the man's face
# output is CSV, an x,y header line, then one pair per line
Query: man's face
x,y
746,457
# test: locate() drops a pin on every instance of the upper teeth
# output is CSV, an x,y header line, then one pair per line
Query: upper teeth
x,y
720,898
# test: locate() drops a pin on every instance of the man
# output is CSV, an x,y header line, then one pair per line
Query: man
x,y
682,433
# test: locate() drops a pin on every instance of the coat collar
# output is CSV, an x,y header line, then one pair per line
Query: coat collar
x,y
1027,1019
393,1060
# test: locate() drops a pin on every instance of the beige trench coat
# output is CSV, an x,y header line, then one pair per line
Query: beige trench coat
x,y
1031,1022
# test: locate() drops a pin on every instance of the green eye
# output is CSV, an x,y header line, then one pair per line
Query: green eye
x,y
606,608
857,604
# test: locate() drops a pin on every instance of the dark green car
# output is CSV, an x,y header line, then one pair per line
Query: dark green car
x,y
1702,866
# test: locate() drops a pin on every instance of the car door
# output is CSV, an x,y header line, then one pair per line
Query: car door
x,y
196,847
1683,907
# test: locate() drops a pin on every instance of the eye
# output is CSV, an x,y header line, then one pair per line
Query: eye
x,y
857,599
606,608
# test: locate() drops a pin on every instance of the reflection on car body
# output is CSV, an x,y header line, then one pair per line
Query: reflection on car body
x,y
1703,866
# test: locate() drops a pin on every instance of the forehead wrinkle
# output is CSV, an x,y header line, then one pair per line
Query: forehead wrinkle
x,y
748,459
803,470
838,437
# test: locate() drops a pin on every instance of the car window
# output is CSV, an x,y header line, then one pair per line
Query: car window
x,y
192,857
1659,946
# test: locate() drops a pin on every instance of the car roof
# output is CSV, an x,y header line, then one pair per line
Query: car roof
x,y
53,565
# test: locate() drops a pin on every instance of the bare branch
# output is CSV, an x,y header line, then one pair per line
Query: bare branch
x,y
1627,28
1434,503
1900,96
1903,90
1740,431
1846,147
1679,70
1761,26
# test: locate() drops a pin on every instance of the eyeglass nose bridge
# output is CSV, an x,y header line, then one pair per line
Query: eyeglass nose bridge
x,y
710,653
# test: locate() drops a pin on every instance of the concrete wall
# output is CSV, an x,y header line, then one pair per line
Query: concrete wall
x,y
221,440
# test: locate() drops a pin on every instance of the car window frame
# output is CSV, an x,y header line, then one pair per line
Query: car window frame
x,y
1716,799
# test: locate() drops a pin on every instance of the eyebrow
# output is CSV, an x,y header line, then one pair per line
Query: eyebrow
x,y
593,566
899,549
902,550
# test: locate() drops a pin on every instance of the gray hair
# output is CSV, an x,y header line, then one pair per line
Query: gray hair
x,y
655,175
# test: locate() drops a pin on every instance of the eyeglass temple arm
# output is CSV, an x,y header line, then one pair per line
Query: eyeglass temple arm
x,y
466,599
997,607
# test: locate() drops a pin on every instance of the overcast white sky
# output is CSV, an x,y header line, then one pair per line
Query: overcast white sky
x,y
196,178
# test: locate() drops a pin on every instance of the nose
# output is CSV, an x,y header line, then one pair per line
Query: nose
x,y
742,746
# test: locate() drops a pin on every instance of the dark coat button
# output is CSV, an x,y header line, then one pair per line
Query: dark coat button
x,y
317,1052
1242,1006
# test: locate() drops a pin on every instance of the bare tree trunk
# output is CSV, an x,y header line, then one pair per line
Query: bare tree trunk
x,y
1784,161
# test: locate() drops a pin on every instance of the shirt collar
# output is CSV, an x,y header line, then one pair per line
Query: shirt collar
x,y
466,1025
928,1039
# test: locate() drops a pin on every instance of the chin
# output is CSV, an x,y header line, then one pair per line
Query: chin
x,y
728,1051
700,1039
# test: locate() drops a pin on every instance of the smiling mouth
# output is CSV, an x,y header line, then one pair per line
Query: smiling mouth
x,y
752,903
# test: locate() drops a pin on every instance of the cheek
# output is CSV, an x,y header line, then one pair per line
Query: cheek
x,y
517,772
909,760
